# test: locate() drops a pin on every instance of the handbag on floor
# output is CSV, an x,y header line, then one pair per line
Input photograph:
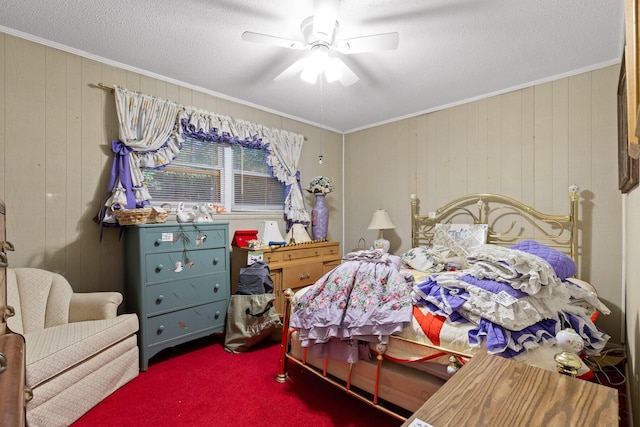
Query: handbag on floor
x,y
250,319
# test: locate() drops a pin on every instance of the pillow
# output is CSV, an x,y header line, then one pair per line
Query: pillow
x,y
562,264
460,238
425,258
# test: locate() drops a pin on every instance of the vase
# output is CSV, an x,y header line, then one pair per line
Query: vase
x,y
319,219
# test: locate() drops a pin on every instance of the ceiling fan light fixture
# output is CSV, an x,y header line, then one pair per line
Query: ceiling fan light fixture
x,y
316,64
332,70
319,56
309,74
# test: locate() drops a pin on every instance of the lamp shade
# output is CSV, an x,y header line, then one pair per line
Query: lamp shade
x,y
268,231
381,220
297,234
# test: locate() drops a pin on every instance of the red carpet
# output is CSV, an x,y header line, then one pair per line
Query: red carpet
x,y
200,384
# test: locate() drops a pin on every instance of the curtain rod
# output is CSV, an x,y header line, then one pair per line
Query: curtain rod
x,y
109,88
105,87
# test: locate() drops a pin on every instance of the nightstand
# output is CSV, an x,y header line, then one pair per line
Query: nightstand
x,y
493,391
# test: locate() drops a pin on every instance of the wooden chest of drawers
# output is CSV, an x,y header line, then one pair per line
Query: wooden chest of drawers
x,y
177,282
292,266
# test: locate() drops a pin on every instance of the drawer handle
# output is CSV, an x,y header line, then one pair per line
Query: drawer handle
x,y
159,268
158,242
216,261
217,315
305,276
159,299
160,329
216,287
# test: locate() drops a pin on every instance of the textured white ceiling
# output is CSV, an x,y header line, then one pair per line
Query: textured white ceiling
x,y
450,51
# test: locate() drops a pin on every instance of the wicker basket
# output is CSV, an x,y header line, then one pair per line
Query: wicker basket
x,y
132,216
158,216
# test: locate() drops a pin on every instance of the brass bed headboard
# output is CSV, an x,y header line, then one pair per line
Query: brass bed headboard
x,y
509,221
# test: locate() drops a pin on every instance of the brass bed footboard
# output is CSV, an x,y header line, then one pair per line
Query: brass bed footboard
x,y
389,387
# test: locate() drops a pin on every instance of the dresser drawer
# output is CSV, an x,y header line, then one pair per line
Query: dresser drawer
x,y
172,295
271,257
302,274
184,322
330,250
174,237
299,254
180,265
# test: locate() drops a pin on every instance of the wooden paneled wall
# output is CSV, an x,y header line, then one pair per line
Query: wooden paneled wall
x,y
530,144
56,130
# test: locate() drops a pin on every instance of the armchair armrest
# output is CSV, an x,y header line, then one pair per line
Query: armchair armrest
x,y
94,306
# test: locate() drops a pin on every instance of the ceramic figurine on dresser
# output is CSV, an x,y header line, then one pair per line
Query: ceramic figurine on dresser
x,y
202,212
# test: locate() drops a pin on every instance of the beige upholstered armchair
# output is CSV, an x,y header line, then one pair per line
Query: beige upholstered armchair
x,y
78,350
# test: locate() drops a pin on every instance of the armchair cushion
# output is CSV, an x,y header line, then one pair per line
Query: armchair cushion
x,y
94,306
59,348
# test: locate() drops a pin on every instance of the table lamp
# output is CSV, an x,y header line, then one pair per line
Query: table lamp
x,y
268,232
381,221
571,343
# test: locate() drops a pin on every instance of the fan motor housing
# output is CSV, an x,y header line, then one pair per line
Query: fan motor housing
x,y
311,38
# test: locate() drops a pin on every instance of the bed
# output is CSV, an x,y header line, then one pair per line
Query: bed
x,y
485,273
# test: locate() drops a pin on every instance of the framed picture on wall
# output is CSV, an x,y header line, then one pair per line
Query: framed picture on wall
x,y
628,167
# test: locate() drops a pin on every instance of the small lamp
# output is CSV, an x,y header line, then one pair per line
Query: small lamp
x,y
268,232
297,234
381,221
571,343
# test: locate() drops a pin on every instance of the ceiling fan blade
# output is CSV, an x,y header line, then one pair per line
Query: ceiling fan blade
x,y
249,36
385,41
292,70
325,15
348,76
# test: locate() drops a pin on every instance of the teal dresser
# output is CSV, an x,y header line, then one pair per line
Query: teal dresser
x,y
177,282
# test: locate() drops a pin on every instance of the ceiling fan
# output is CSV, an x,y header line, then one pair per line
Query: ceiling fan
x,y
320,33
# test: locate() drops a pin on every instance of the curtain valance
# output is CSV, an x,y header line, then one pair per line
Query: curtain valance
x,y
152,132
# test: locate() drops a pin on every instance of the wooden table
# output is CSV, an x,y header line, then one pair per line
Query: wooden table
x,y
494,391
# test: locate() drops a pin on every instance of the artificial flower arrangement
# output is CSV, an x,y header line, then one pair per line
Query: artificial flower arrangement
x,y
321,185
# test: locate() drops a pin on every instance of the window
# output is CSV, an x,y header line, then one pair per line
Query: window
x,y
231,176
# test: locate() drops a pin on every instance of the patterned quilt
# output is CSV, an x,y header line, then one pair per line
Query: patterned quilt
x,y
363,299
